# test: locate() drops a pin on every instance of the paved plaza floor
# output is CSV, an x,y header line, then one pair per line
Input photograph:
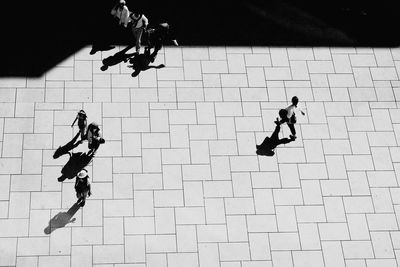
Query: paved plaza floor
x,y
178,182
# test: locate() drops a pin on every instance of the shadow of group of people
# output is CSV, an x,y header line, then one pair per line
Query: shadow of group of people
x,y
139,62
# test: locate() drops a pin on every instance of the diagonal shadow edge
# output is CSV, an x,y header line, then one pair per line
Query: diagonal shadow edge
x,y
48,34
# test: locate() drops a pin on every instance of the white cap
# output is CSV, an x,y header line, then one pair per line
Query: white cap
x,y
82,174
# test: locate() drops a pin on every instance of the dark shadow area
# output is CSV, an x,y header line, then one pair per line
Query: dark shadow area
x,y
62,150
142,62
62,219
270,143
75,164
37,35
117,58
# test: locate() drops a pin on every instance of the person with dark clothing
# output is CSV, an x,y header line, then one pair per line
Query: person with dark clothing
x,y
82,122
96,142
159,35
117,58
269,144
94,138
82,187
141,62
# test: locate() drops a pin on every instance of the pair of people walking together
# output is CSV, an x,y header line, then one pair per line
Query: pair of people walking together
x,y
136,21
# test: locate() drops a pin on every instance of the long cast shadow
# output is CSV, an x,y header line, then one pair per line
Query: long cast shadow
x,y
142,62
75,164
61,219
117,58
267,147
62,150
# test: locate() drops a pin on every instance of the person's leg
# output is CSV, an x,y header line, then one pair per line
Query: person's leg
x,y
135,36
138,39
84,195
79,197
82,132
292,129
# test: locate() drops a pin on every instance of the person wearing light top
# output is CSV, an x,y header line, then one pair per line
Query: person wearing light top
x,y
121,13
139,23
290,117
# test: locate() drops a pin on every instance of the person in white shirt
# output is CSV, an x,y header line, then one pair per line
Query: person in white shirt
x,y
139,24
290,116
121,12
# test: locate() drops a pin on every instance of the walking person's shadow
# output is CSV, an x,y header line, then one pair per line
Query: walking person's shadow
x,y
75,164
61,219
142,62
62,150
269,144
117,58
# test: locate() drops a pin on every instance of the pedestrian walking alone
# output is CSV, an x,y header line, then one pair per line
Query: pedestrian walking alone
x,y
290,117
82,187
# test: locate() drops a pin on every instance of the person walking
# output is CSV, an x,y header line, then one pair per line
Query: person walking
x,y
82,187
290,117
82,122
139,24
121,13
94,138
158,35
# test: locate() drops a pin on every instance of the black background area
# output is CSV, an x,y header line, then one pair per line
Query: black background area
x,y
37,35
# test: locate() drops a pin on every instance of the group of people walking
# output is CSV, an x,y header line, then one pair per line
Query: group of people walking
x,y
91,134
136,26
137,22
288,116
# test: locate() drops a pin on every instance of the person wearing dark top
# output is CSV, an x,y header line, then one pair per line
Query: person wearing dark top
x,y
82,122
94,138
269,144
159,35
82,187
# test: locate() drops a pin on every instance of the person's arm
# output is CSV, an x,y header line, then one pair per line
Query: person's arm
x,y
74,121
125,17
145,22
301,111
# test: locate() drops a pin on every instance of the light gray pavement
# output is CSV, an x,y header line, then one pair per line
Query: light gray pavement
x,y
178,183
